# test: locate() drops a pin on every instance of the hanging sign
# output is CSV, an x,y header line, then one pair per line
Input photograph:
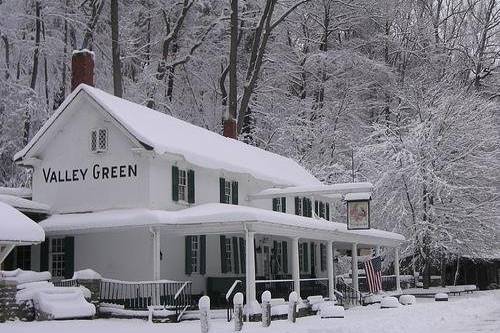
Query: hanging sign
x,y
358,212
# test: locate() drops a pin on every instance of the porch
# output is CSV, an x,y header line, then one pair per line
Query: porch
x,y
307,269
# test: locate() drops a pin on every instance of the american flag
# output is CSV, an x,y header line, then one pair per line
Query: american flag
x,y
373,269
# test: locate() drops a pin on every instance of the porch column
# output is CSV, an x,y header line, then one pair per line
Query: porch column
x,y
156,253
377,250
354,268
329,266
295,266
396,268
250,267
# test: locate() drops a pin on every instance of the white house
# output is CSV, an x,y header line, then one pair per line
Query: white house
x,y
136,194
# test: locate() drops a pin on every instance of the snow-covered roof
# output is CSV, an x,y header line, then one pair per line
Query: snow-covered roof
x,y
198,146
24,205
22,192
222,216
333,190
15,227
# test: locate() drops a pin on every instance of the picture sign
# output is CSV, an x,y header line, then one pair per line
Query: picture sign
x,y
358,214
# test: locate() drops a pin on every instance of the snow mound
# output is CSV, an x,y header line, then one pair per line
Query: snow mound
x,y
441,297
389,302
332,311
86,274
21,277
266,296
204,303
63,303
407,299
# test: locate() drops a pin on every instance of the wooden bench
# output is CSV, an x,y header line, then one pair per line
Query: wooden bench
x,y
454,290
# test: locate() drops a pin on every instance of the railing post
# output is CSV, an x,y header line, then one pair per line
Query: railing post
x,y
292,306
204,306
238,312
266,308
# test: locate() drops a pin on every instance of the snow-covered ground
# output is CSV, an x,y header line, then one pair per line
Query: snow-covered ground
x,y
479,312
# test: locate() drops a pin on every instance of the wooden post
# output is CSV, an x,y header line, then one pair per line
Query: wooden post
x,y
329,266
295,266
396,269
355,283
250,270
238,312
204,306
266,308
292,306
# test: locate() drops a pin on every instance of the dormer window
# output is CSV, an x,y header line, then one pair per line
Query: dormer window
x,y
99,140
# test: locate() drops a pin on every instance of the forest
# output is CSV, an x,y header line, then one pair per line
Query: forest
x,y
401,93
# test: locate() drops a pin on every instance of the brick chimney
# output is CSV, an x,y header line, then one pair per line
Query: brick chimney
x,y
230,130
82,68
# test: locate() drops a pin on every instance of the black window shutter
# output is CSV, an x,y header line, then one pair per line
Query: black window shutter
x,y
190,175
316,207
297,203
175,183
275,204
223,267
309,207
187,261
234,193
44,255
284,250
321,209
203,254
306,257
69,257
274,258
242,255
322,256
222,183
236,256
283,204
313,258
327,213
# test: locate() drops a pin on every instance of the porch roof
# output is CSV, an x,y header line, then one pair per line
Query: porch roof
x,y
16,228
214,218
332,191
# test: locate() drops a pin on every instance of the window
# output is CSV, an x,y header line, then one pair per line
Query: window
x,y
299,206
303,206
182,187
99,140
279,204
303,258
195,254
227,191
56,257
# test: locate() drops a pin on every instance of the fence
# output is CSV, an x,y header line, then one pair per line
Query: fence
x,y
140,295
